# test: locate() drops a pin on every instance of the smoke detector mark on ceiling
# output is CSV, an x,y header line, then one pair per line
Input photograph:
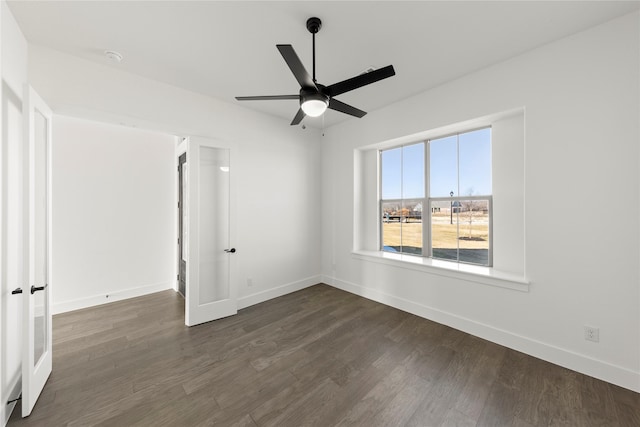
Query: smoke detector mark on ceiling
x,y
113,56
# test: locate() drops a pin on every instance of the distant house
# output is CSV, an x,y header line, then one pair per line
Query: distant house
x,y
446,206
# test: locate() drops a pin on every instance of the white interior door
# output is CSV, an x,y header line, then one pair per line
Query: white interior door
x,y
211,293
36,354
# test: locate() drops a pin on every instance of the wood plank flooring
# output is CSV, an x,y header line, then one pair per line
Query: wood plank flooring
x,y
319,356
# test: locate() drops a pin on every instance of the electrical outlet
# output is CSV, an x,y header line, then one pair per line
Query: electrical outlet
x,y
591,334
249,282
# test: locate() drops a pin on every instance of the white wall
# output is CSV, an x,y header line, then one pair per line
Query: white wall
x,y
12,274
581,162
276,166
113,212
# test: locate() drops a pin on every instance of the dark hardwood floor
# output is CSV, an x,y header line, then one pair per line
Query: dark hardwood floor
x,y
320,356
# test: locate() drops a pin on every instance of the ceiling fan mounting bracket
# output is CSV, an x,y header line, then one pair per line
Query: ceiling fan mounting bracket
x,y
314,24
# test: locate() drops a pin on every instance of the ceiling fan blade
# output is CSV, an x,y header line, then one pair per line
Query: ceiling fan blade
x,y
298,118
334,104
267,98
294,63
361,80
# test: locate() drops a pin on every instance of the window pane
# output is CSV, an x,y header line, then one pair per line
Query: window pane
x,y
475,163
412,227
443,169
474,231
413,171
391,165
391,227
402,227
444,229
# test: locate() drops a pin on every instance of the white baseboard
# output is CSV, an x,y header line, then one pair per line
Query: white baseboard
x,y
602,370
14,391
243,302
259,297
64,306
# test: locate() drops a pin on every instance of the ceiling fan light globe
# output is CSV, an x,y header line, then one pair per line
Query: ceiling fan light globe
x,y
314,107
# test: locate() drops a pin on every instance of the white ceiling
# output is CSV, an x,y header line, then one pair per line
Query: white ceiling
x,y
227,49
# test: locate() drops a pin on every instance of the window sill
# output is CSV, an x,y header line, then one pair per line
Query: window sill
x,y
471,273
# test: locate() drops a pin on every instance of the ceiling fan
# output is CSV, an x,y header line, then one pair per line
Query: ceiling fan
x,y
315,98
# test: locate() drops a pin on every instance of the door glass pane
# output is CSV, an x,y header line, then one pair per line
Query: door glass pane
x,y
40,325
185,209
474,231
444,229
40,238
443,167
475,163
213,206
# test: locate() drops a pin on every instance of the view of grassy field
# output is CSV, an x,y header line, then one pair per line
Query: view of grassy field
x,y
473,234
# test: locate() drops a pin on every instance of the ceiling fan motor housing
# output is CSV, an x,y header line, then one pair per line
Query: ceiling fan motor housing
x,y
312,94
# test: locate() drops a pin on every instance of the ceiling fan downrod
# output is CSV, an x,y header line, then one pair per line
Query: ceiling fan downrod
x,y
313,25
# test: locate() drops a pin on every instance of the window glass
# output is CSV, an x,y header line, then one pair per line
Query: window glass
x,y
412,227
444,230
413,171
443,167
391,165
391,227
402,227
475,162
473,231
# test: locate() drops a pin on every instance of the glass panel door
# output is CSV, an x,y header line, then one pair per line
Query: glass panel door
x,y
37,360
210,292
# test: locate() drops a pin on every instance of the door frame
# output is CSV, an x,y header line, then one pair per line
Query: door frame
x,y
182,200
181,148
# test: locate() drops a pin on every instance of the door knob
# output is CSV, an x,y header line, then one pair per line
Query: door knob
x,y
16,291
230,251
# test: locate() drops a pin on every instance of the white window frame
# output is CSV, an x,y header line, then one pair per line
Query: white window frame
x,y
427,249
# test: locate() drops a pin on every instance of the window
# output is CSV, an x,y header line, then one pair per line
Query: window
x,y
403,198
452,195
